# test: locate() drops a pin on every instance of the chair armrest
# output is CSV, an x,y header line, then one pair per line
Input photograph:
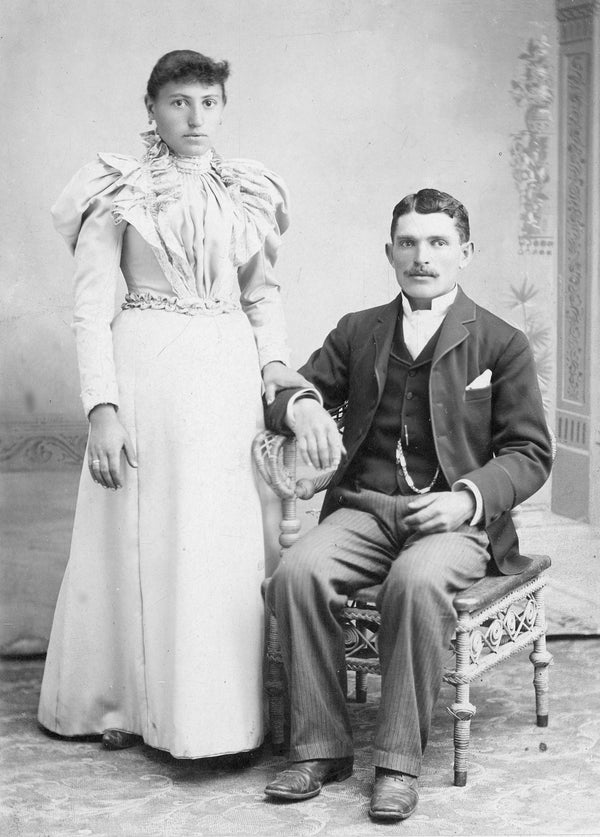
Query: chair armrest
x,y
307,487
275,459
268,455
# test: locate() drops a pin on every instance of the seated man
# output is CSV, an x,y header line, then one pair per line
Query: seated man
x,y
444,434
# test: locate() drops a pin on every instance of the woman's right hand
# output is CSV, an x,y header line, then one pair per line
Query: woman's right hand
x,y
107,439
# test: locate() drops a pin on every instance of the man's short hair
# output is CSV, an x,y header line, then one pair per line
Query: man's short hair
x,y
427,201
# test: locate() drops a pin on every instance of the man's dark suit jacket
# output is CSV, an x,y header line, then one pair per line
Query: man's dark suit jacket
x,y
497,436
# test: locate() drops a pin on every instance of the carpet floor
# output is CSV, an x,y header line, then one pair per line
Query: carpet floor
x,y
523,780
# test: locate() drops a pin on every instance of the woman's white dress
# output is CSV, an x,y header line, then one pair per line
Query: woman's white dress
x,y
158,628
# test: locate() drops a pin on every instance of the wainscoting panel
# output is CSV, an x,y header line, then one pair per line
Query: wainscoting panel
x,y
40,464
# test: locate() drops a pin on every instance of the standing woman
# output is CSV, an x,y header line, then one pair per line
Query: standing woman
x,y
157,634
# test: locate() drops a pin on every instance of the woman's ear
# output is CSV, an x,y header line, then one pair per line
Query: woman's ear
x,y
149,107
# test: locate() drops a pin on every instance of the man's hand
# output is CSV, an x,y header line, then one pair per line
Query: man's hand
x,y
107,439
319,440
276,376
442,511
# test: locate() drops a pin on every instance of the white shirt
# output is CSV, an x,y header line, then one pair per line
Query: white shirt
x,y
419,326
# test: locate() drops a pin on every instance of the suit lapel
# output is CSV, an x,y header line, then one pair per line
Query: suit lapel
x,y
453,331
383,335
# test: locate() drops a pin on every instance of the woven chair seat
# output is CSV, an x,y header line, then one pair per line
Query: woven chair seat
x,y
493,587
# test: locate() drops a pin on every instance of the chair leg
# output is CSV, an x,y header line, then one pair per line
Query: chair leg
x,y
541,659
461,710
275,687
361,686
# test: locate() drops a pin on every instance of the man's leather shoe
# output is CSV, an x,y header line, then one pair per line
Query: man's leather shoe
x,y
118,739
395,796
304,779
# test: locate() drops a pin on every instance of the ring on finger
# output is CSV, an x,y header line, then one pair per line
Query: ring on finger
x,y
95,462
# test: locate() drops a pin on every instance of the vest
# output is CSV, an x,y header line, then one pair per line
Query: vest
x,y
404,408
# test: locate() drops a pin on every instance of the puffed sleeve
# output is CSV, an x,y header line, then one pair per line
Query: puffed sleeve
x,y
260,290
82,214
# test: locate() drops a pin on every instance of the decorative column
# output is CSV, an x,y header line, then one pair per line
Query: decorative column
x,y
576,476
529,149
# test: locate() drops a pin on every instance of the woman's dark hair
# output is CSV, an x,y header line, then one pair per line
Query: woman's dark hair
x,y
189,66
427,201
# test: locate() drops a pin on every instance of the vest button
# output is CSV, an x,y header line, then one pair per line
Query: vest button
x,y
409,396
411,373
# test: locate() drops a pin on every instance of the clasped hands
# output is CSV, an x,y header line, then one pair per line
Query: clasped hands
x,y
320,445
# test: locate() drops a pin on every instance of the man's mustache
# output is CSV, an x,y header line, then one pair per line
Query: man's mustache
x,y
422,271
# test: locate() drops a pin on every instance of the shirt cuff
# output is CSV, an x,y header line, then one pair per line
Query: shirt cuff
x,y
273,360
460,485
307,392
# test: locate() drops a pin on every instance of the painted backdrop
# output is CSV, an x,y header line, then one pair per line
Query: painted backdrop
x,y
354,102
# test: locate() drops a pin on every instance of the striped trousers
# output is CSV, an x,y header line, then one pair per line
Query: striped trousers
x,y
363,543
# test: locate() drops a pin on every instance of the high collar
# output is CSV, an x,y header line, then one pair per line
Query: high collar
x,y
158,155
193,165
439,305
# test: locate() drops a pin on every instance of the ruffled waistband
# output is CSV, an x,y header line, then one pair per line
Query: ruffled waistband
x,y
191,308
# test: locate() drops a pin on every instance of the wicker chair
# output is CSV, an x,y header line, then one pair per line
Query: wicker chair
x,y
498,616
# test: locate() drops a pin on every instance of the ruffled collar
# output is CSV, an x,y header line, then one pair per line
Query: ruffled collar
x,y
164,167
159,157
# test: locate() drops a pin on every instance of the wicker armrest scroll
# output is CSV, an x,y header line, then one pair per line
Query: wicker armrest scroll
x,y
275,459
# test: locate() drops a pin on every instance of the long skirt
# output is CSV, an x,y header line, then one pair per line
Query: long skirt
x,y
158,628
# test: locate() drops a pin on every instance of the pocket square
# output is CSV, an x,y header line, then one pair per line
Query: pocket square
x,y
481,381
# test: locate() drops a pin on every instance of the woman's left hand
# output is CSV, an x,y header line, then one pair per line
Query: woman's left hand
x,y
277,376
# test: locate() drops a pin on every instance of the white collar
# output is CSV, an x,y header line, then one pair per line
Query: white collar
x,y
439,305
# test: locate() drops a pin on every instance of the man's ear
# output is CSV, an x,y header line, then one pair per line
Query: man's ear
x,y
388,253
467,252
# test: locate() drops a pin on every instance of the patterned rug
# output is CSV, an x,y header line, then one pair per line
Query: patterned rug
x,y
523,780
